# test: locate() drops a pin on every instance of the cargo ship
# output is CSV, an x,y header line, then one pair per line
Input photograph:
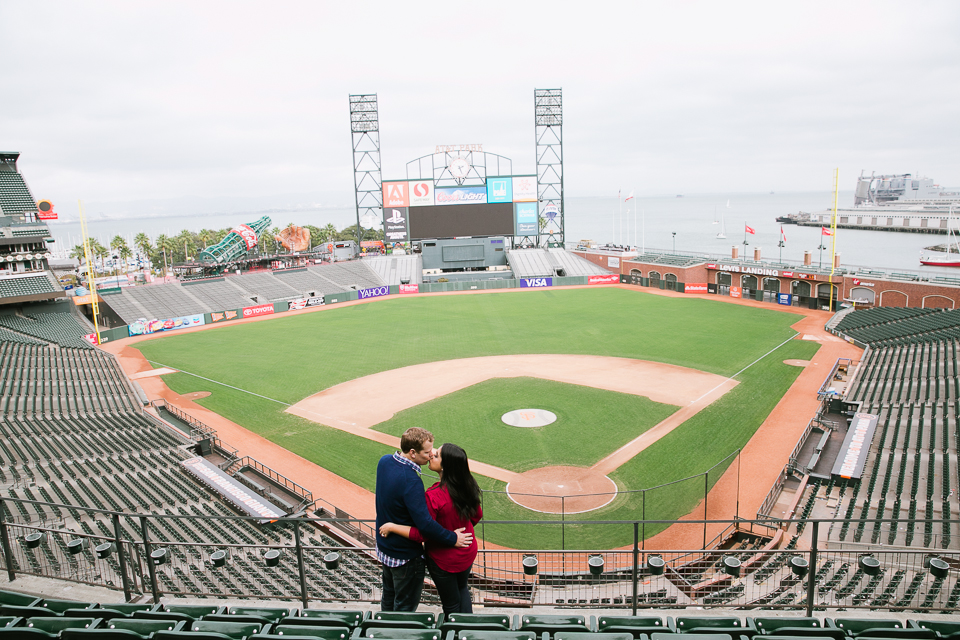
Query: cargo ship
x,y
891,203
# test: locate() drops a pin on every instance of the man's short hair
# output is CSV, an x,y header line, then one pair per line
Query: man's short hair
x,y
413,438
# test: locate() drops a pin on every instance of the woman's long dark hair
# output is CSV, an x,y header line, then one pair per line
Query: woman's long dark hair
x,y
463,489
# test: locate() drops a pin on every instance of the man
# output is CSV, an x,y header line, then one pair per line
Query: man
x,y
400,499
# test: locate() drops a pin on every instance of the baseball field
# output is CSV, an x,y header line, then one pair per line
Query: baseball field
x,y
337,386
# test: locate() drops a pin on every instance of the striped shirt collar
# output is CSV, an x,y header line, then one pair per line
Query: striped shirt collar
x,y
410,463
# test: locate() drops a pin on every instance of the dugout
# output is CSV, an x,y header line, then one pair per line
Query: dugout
x,y
463,254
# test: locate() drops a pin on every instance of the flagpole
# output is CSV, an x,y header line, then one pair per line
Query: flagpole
x,y
620,201
833,228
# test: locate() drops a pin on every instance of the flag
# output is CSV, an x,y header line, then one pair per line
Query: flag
x,y
749,229
826,232
618,194
629,197
783,236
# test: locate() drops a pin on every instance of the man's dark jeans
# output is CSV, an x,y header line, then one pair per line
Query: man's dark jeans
x,y
452,587
402,586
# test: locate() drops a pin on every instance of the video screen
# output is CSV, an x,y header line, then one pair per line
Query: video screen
x,y
459,220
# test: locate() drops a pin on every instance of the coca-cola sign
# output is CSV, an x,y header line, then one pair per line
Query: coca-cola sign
x,y
249,235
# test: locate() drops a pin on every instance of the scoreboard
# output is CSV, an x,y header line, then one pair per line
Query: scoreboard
x,y
417,209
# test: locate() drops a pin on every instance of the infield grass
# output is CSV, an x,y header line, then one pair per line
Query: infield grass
x,y
294,356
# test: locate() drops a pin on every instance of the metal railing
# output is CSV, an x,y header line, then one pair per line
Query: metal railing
x,y
289,560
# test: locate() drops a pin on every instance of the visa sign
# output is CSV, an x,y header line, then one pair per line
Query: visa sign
x,y
536,282
363,294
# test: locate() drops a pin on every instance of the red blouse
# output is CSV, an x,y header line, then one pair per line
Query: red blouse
x,y
450,559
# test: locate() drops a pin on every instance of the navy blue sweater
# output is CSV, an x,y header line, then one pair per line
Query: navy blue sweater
x,y
400,500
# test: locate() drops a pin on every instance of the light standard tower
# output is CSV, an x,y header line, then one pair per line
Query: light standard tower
x,y
674,241
821,248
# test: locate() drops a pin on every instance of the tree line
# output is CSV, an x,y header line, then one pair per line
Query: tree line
x,y
187,245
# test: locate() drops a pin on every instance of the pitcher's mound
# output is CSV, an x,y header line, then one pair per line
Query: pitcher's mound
x,y
562,490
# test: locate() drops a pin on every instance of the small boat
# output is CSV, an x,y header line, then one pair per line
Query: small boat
x,y
943,255
716,220
723,229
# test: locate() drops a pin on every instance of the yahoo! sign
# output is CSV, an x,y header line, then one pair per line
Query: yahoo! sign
x,y
363,294
536,282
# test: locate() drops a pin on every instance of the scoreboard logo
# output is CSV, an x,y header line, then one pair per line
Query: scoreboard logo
x,y
395,224
525,189
499,190
395,194
421,194
462,195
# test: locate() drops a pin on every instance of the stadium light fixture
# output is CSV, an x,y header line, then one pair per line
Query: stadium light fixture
x,y
596,564
656,565
731,566
939,568
869,565
799,566
218,558
76,545
104,550
331,560
33,540
530,564
272,557
158,557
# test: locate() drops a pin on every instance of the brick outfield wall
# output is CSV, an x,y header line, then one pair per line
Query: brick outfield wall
x,y
888,293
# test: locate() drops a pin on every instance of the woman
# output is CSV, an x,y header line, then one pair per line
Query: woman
x,y
454,502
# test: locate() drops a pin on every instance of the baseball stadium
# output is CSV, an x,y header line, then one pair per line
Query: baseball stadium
x,y
654,434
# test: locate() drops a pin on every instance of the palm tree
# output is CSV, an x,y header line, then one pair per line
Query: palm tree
x,y
77,253
142,242
329,233
164,244
119,245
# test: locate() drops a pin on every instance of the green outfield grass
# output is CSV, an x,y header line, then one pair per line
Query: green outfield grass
x,y
471,418
291,357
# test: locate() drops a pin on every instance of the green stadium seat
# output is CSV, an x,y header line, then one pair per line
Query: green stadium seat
x,y
551,624
587,635
273,614
636,625
393,633
59,606
943,628
399,620
236,630
497,635
853,627
303,630
333,617
692,636
17,599
180,612
475,622
123,609
23,612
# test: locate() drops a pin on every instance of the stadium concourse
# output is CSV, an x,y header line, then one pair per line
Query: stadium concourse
x,y
772,442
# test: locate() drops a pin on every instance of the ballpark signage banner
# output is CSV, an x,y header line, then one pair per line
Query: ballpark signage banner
x,y
249,235
610,279
409,288
525,189
421,193
536,282
526,218
395,194
375,292
211,475
223,316
613,263
785,299
499,190
735,292
395,224
698,287
141,327
303,303
259,310
856,446
461,195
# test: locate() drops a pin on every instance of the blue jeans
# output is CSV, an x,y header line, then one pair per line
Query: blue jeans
x,y
452,588
402,586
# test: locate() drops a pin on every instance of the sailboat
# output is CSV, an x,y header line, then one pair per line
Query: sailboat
x,y
943,255
723,229
716,220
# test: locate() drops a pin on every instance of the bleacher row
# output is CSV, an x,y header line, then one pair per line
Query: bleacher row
x,y
68,620
72,434
57,328
394,270
918,372
28,285
173,300
891,326
532,263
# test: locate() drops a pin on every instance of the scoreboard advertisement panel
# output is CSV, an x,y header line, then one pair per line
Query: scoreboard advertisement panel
x,y
418,209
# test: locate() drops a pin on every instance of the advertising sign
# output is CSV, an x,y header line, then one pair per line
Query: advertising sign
x,y
249,235
735,292
375,292
785,299
697,287
856,446
610,279
421,193
526,218
259,310
395,194
87,299
47,215
613,262
141,327
499,189
222,316
91,338
536,282
395,224
238,495
409,288
461,195
303,303
525,189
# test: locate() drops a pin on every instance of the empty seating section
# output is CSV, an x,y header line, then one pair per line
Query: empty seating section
x,y
911,471
16,286
59,328
15,197
171,300
396,270
574,265
890,326
530,263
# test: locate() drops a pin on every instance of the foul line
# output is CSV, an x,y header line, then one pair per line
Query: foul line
x,y
793,337
222,384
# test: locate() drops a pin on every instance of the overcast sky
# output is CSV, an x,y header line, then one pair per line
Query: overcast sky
x,y
129,101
